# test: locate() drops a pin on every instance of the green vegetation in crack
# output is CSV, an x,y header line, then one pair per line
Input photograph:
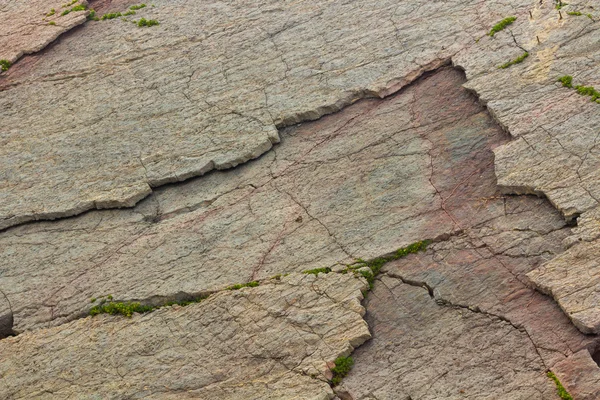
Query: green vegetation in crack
x,y
579,14
501,25
51,13
375,265
92,16
560,389
5,65
243,285
317,271
567,81
69,4
111,16
76,8
147,22
138,7
559,4
343,365
52,23
517,60
107,306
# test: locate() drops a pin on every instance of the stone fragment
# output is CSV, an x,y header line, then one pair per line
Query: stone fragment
x,y
268,342
29,26
573,279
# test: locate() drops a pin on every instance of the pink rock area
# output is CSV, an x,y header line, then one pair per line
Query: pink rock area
x,y
461,320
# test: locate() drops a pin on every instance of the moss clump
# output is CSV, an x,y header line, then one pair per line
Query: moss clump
x,y
5,65
560,390
560,4
138,7
69,4
317,271
128,13
588,91
51,13
343,365
76,8
126,309
111,16
147,22
52,23
517,60
574,13
501,25
567,81
243,285
92,16
376,264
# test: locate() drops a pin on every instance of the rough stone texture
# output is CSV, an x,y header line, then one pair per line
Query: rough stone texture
x,y
361,183
204,90
573,279
580,375
424,351
26,28
270,342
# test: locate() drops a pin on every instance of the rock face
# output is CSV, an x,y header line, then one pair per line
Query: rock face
x,y
326,195
270,342
116,115
28,27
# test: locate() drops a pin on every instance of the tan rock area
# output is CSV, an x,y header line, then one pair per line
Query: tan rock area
x,y
249,161
29,26
270,342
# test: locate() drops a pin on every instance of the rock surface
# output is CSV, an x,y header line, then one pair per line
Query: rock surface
x,y
29,26
360,183
205,89
269,342
580,375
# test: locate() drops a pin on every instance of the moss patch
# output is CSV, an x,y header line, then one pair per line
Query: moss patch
x,y
567,81
127,309
501,25
343,365
5,65
560,389
317,271
517,60
376,264
147,22
243,285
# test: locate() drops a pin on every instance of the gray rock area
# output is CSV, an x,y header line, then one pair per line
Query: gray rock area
x,y
270,342
248,142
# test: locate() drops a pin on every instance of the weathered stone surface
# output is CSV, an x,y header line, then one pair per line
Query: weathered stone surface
x,y
269,342
205,89
580,375
422,350
361,183
573,279
27,26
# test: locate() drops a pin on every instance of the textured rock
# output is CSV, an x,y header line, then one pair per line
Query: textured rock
x,y
204,90
269,342
573,279
425,351
580,375
26,25
360,183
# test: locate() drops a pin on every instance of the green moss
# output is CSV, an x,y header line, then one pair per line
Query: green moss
x,y
567,81
317,271
129,13
560,4
138,7
560,390
111,16
76,8
92,16
69,4
501,25
52,23
574,13
126,309
343,365
243,285
588,91
517,60
376,264
147,22
5,65
93,300
51,13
